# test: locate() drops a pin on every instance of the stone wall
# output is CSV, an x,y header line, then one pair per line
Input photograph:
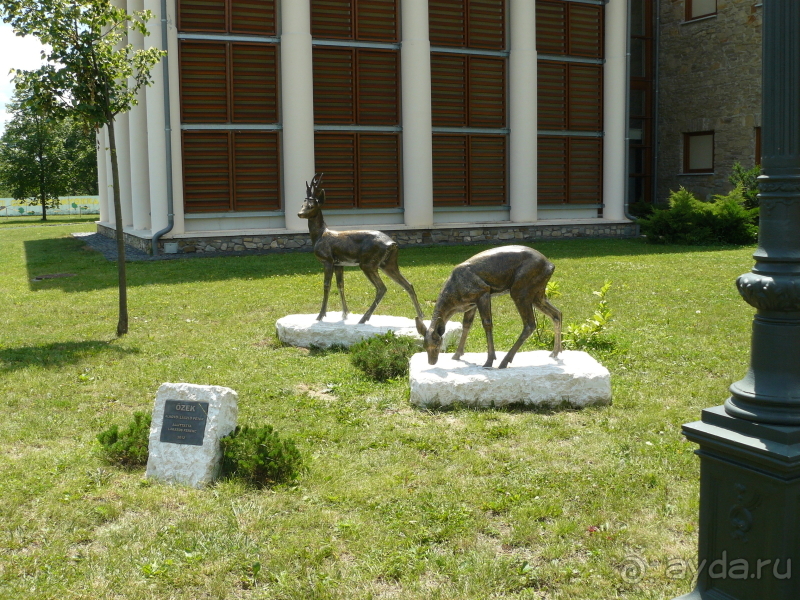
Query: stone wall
x,y
477,234
709,80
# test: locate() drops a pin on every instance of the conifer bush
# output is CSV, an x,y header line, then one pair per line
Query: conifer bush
x,y
128,447
725,220
384,357
260,456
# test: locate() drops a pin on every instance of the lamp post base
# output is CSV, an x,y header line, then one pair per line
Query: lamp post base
x,y
749,508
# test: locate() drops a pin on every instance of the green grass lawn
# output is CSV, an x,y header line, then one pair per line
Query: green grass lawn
x,y
398,503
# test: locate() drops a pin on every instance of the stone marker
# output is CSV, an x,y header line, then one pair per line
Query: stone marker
x,y
574,379
305,331
188,421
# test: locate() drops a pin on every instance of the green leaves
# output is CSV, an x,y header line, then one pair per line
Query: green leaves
x,y
89,70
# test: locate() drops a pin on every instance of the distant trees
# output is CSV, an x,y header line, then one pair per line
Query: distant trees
x,y
43,157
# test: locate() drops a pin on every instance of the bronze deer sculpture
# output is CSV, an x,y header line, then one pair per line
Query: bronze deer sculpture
x,y
518,270
370,250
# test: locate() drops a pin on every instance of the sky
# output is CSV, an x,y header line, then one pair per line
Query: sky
x,y
15,53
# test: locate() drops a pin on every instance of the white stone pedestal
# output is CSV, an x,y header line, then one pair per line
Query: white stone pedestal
x,y
192,418
305,331
574,379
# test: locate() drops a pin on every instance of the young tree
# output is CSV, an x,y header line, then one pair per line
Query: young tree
x,y
90,73
33,158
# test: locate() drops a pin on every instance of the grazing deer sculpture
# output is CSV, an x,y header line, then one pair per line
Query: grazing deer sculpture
x,y
518,270
370,250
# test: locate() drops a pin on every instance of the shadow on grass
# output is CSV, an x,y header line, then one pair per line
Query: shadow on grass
x,y
56,354
56,255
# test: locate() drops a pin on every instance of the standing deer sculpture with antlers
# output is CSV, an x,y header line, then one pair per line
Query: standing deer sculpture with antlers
x,y
518,270
370,250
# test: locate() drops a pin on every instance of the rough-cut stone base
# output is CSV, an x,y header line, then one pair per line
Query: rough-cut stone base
x,y
185,464
574,379
305,331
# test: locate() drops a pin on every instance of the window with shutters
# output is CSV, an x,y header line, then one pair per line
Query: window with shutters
x,y
224,86
231,171
252,17
469,102
570,41
356,101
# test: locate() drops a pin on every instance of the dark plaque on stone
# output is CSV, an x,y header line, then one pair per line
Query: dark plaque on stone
x,y
184,422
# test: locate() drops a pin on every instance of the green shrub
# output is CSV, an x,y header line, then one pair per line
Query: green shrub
x,y
747,180
258,455
725,220
590,333
127,448
384,356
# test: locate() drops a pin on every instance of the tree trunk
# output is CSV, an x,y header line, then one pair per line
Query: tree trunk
x,y
122,325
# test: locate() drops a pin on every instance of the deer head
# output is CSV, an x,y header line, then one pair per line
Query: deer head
x,y
432,338
315,198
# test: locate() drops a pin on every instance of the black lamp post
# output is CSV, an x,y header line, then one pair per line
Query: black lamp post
x,y
750,448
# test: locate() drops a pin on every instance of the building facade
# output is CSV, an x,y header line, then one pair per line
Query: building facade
x,y
709,81
433,120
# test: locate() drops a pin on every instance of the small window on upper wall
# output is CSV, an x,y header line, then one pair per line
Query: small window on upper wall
x,y
700,8
698,152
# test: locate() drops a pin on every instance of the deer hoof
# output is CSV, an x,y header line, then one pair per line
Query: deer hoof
x,y
320,316
488,364
457,356
363,320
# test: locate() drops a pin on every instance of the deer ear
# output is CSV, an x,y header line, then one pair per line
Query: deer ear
x,y
440,328
421,327
321,197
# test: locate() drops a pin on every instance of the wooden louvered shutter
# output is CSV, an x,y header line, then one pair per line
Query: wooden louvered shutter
x,y
447,23
206,171
256,17
585,98
486,24
377,20
551,27
254,83
552,171
450,170
487,92
585,170
378,72
586,30
379,170
552,100
201,15
203,80
332,19
487,170
335,156
448,90
256,171
334,88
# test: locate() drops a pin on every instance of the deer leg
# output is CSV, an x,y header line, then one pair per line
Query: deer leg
x,y
380,290
555,315
391,269
340,284
525,309
469,316
485,309
325,289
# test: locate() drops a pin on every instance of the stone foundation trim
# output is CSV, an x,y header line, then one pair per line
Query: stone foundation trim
x,y
305,331
294,241
574,379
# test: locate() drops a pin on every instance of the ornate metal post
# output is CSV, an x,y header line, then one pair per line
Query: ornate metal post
x,y
750,448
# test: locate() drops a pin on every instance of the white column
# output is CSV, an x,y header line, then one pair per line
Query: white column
x,y
615,92
523,142
122,135
109,180
297,99
415,61
102,181
140,180
156,137
175,118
